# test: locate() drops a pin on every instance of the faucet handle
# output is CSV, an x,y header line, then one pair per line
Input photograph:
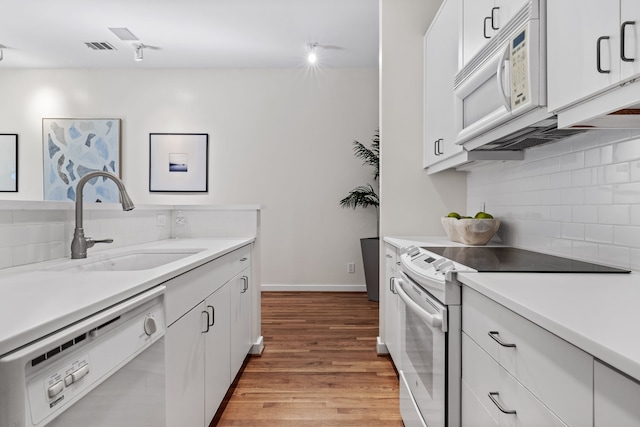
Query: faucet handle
x,y
91,241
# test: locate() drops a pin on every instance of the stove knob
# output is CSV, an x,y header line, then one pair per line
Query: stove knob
x,y
150,326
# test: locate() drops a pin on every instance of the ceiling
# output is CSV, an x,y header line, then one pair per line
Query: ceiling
x,y
189,33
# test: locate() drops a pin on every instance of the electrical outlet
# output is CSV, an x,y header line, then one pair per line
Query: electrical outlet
x,y
351,267
161,220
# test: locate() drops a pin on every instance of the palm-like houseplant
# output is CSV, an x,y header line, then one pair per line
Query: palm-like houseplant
x,y
364,196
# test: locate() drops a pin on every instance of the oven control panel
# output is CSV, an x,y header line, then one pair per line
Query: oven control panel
x,y
66,376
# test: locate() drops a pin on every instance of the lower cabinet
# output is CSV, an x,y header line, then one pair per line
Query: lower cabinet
x,y
616,398
206,346
392,311
240,322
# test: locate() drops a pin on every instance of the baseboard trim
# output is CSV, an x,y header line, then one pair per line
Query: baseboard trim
x,y
313,288
381,348
258,347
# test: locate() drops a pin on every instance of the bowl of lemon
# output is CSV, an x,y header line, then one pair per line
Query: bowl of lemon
x,y
476,230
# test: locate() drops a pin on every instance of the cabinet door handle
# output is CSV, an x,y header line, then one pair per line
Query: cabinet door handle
x,y
495,335
212,318
388,256
243,259
392,285
208,318
598,55
245,285
492,395
484,27
622,41
436,147
493,14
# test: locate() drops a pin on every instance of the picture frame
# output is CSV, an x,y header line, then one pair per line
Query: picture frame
x,y
8,163
179,162
72,147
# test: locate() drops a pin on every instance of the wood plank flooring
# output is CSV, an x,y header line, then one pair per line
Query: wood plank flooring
x,y
319,366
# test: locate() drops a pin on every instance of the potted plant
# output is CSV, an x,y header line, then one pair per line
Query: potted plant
x,y
364,196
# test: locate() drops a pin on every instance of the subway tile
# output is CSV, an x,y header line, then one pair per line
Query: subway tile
x,y
573,196
612,174
626,151
560,179
606,154
614,255
586,251
626,236
635,169
573,231
585,214
598,233
560,213
582,177
572,161
6,257
598,195
614,214
634,263
626,193
592,157
635,215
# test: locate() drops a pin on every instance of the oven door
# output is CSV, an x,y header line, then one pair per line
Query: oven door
x,y
423,353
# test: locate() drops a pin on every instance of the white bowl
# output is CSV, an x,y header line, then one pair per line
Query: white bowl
x,y
470,231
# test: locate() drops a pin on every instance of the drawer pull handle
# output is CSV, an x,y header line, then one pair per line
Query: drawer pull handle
x,y
243,259
495,335
495,402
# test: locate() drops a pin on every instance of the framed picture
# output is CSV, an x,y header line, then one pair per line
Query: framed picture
x,y
178,162
74,147
8,163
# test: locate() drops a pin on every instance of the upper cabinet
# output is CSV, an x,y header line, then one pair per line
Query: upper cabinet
x,y
592,46
441,60
481,21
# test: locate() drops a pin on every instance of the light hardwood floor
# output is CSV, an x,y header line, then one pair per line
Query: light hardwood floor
x,y
319,366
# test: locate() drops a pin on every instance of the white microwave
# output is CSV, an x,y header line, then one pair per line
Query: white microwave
x,y
503,89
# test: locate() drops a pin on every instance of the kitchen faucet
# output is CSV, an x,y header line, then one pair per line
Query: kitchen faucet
x,y
80,244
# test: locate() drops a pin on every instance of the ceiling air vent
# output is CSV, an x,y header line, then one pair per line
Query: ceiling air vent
x,y
100,46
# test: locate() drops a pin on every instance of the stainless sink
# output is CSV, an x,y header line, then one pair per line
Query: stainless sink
x,y
131,261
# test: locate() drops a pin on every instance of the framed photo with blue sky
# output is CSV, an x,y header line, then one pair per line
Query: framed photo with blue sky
x,y
178,162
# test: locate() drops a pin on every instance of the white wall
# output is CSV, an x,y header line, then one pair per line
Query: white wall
x,y
579,197
412,201
278,138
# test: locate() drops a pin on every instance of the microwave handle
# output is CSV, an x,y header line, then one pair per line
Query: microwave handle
x,y
435,321
506,100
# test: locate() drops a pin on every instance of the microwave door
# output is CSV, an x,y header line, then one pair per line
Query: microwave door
x,y
481,100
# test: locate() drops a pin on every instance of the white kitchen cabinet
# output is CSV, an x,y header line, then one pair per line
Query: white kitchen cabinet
x,y
584,55
482,19
555,372
217,356
441,60
392,310
184,358
208,336
616,398
240,319
473,411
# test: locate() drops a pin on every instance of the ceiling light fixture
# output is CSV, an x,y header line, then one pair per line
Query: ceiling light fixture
x,y
138,54
313,56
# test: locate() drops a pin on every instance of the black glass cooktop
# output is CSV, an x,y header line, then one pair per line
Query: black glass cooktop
x,y
513,260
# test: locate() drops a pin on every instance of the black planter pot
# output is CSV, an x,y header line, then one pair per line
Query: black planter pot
x,y
371,261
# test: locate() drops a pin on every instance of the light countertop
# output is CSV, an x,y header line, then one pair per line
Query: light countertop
x,y
40,299
595,312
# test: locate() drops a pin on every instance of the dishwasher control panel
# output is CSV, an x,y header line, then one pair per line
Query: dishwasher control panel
x,y
62,380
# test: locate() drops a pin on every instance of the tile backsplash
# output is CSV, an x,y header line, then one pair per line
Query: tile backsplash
x,y
40,231
579,197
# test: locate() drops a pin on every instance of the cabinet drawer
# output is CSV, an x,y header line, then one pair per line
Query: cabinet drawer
x,y
556,372
473,412
616,398
484,376
189,289
391,257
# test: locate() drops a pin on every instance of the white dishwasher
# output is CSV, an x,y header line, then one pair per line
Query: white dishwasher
x,y
106,370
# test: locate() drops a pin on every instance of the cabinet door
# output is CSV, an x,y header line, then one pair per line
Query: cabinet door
x,y
504,10
476,27
615,398
217,353
574,31
240,319
184,357
630,12
392,313
440,67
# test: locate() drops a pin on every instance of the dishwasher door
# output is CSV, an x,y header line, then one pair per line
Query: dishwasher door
x,y
105,370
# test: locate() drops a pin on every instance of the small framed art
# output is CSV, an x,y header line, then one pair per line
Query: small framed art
x,y
178,162
8,163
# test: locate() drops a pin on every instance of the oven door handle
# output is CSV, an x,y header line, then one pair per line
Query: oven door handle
x,y
433,320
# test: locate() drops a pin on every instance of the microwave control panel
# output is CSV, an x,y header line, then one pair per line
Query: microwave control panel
x,y
520,88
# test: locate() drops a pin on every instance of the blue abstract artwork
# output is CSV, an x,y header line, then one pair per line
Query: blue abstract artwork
x,y
74,147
